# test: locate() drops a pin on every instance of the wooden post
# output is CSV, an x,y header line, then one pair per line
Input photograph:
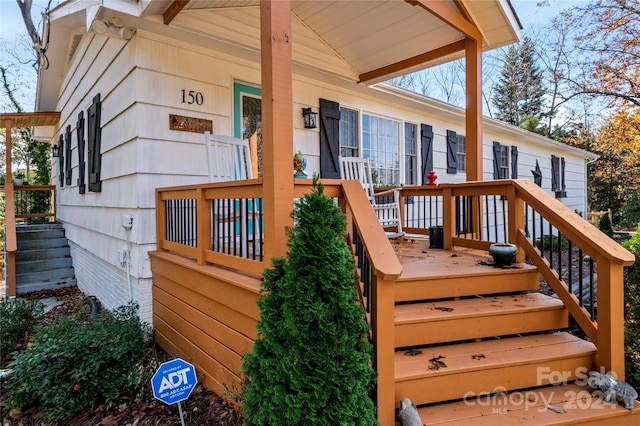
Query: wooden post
x,y
473,117
610,317
516,219
277,124
383,324
448,217
8,124
203,213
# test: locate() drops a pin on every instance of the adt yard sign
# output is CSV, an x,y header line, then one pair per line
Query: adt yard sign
x,y
174,381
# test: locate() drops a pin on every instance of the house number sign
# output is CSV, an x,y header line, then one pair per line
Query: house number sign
x,y
192,97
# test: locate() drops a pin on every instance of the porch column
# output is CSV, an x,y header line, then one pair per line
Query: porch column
x,y
8,125
473,60
277,124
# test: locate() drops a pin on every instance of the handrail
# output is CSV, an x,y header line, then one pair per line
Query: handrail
x,y
505,204
379,267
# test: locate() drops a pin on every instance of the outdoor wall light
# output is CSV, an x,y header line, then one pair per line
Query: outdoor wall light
x,y
309,118
55,151
113,27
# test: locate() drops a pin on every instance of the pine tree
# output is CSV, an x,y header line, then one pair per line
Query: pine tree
x,y
311,363
519,95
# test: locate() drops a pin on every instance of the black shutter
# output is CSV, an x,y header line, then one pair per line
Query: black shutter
x,y
562,177
554,173
452,160
61,160
329,139
496,160
67,155
80,134
514,162
93,150
426,146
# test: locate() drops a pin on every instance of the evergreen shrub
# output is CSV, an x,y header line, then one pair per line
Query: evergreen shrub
x,y
605,225
76,363
312,361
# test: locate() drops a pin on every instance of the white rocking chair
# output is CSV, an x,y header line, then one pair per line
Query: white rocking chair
x,y
229,159
388,213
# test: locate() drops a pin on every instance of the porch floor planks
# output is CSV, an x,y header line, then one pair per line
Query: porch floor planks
x,y
531,407
437,273
477,317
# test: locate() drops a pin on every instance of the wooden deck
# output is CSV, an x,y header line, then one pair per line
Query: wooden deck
x,y
462,327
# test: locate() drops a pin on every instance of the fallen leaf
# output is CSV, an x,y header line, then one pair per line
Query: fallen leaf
x,y
443,308
436,363
413,352
556,409
478,356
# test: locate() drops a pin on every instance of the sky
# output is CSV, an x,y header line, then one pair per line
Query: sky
x,y
11,26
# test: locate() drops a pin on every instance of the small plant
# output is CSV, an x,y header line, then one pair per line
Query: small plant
x,y
605,225
549,242
17,320
75,363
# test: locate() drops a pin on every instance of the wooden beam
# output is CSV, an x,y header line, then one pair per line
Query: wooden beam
x,y
277,124
413,62
450,16
473,116
173,10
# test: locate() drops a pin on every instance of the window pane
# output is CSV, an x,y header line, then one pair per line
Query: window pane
x,y
383,148
348,133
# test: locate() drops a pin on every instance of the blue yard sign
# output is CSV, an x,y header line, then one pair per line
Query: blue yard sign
x,y
174,381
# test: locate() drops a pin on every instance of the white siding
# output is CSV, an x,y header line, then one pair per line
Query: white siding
x,y
141,83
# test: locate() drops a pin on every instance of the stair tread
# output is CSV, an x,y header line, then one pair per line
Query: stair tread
x,y
490,354
532,407
474,307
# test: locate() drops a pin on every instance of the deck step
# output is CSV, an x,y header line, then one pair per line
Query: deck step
x,y
442,321
567,404
450,372
458,280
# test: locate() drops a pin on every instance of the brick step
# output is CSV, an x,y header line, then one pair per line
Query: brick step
x,y
567,404
449,372
441,321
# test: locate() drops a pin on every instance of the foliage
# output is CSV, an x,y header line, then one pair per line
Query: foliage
x,y
74,363
615,174
311,363
551,242
632,313
605,225
518,97
18,318
608,42
631,211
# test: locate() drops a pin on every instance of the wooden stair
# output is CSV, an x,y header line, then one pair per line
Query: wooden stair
x,y
476,345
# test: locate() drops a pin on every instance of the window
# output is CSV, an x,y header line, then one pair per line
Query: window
x,y
500,161
410,154
348,133
381,144
461,153
557,176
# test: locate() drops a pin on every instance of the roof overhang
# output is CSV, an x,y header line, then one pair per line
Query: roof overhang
x,y
354,41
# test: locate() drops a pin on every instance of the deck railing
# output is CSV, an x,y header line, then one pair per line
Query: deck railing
x,y
581,265
24,202
215,223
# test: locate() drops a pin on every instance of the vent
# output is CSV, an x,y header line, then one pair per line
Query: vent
x,y
74,46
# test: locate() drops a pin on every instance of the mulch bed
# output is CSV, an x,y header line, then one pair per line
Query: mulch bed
x,y
202,408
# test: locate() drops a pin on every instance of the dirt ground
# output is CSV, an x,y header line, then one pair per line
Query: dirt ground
x,y
202,408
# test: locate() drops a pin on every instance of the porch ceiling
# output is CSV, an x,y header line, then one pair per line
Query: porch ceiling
x,y
365,35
